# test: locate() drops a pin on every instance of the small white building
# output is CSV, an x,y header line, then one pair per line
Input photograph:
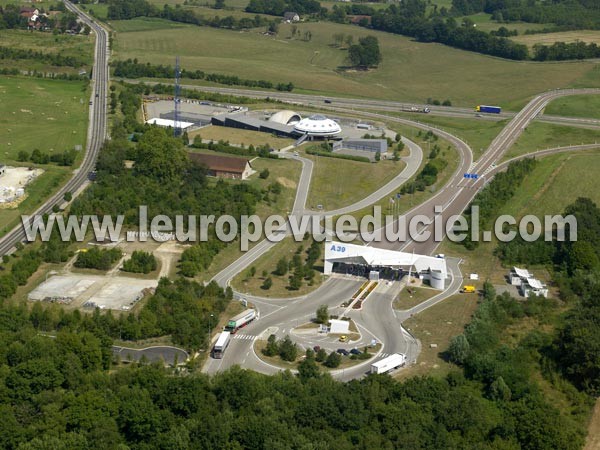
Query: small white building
x,y
528,284
532,286
339,326
516,276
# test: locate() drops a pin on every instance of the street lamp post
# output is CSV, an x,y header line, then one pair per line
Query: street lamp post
x,y
210,327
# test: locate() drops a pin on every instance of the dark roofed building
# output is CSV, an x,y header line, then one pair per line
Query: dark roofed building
x,y
224,166
291,16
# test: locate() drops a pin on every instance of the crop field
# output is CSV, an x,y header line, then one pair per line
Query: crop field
x,y
540,135
409,71
576,106
587,36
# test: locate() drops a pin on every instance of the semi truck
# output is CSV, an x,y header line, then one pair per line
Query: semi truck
x,y
221,345
240,321
488,109
414,109
390,363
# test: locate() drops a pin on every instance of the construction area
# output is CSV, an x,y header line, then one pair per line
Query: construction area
x,y
13,181
115,289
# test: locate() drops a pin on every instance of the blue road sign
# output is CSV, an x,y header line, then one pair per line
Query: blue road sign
x,y
398,195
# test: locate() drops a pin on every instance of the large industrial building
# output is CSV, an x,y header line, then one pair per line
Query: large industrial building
x,y
426,267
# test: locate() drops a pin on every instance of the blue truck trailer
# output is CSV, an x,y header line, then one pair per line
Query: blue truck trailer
x,y
488,109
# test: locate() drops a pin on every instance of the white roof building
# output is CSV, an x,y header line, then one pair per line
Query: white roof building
x,y
318,125
168,123
430,266
529,285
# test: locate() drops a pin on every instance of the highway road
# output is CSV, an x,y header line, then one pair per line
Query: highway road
x,y
360,105
97,131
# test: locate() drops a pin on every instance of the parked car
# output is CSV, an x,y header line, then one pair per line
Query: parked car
x,y
316,348
342,351
355,351
344,338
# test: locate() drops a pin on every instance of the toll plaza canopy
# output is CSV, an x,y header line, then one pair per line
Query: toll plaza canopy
x,y
339,252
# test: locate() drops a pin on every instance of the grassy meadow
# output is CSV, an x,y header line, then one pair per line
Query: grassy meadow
x,y
540,135
409,71
336,183
576,106
50,115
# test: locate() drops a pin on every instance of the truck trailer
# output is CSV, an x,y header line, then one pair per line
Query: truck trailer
x,y
221,345
390,363
240,321
488,109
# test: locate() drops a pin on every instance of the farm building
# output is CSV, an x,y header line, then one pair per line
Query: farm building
x,y
224,166
291,17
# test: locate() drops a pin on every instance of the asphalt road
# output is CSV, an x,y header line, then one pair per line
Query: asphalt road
x,y
360,105
96,130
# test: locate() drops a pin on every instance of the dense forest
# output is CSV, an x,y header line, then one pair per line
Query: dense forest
x,y
57,393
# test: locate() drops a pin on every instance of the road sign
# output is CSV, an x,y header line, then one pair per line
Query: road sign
x,y
398,195
473,176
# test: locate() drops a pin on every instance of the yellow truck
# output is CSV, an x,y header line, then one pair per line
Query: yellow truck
x,y
468,289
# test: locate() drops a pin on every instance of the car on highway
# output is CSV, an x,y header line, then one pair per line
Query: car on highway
x,y
344,338
343,351
327,100
355,351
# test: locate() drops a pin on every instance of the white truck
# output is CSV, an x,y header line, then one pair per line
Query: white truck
x,y
241,320
221,345
386,364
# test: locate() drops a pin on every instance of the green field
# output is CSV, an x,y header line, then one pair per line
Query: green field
x,y
576,106
540,136
50,115
78,46
243,282
485,23
409,71
336,183
587,36
477,133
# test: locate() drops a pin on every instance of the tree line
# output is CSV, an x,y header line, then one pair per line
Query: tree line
x,y
567,14
131,68
54,59
497,194
279,7
130,9
264,151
